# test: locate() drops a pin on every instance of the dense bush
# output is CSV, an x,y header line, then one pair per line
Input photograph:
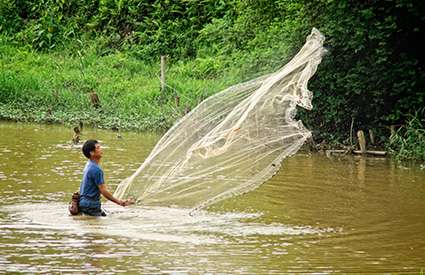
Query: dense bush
x,y
374,71
148,27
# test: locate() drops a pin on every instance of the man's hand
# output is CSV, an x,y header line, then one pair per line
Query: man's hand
x,y
126,202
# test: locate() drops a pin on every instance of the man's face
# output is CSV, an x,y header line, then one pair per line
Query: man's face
x,y
97,153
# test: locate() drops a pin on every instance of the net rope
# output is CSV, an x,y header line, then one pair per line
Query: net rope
x,y
232,142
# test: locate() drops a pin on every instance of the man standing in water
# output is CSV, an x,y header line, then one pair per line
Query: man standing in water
x,y
93,183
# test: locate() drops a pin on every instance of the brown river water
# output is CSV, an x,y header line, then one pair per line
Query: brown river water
x,y
317,215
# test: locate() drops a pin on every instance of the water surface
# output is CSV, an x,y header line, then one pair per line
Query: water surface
x,y
318,214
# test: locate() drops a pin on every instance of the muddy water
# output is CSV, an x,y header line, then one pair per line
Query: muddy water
x,y
318,214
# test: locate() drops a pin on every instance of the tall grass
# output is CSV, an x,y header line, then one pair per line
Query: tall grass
x,y
408,143
55,87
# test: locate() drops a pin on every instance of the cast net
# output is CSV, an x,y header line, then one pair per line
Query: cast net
x,y
230,143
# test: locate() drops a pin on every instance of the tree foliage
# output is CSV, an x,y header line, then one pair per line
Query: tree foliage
x,y
374,70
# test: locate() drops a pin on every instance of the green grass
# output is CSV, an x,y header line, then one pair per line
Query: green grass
x,y
55,88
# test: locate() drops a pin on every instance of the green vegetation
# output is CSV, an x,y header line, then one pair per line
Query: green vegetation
x,y
408,142
54,53
56,87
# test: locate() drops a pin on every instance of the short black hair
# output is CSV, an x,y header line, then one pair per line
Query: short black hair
x,y
89,146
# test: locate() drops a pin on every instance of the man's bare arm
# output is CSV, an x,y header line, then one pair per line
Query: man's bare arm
x,y
104,190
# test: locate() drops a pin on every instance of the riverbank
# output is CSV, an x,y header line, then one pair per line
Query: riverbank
x,y
63,62
119,91
113,91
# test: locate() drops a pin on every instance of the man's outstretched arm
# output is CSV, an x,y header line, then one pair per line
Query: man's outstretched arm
x,y
104,190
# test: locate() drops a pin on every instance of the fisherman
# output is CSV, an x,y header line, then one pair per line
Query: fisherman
x,y
93,183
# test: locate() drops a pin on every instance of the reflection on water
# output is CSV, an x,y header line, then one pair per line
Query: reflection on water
x,y
318,214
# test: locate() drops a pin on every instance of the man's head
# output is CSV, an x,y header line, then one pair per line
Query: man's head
x,y
92,149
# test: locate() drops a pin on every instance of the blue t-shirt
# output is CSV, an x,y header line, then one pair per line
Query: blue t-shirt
x,y
89,190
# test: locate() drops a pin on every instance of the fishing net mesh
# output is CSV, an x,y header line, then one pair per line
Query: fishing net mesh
x,y
230,143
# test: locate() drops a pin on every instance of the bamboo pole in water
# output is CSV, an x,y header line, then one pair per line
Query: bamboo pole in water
x,y
362,141
369,152
371,137
351,131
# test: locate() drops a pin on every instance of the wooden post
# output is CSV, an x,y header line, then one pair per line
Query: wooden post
x,y
163,65
177,100
371,137
351,131
77,133
95,101
362,141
